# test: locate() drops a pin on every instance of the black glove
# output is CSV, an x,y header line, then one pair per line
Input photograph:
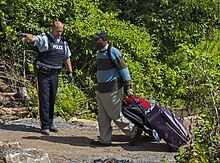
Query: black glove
x,y
70,76
21,35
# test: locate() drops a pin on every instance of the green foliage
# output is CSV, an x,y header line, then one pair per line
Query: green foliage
x,y
171,48
172,22
72,101
205,90
83,18
206,141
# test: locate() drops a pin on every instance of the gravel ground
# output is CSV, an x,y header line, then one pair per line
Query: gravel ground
x,y
72,143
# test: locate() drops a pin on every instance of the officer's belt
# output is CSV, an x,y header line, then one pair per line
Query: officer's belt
x,y
47,70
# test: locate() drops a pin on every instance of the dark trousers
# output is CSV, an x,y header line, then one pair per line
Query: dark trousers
x,y
47,89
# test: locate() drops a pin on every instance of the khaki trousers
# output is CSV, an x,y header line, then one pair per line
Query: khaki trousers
x,y
109,109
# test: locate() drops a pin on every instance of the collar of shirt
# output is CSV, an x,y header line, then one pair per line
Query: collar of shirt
x,y
58,40
105,48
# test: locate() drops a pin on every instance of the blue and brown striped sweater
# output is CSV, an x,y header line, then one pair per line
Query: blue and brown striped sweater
x,y
112,74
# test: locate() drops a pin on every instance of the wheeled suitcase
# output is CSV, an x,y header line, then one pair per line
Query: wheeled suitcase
x,y
168,126
156,121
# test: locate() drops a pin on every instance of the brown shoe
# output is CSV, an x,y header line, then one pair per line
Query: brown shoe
x,y
135,139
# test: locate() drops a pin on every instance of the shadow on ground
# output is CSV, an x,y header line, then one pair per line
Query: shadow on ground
x,y
118,140
22,128
144,144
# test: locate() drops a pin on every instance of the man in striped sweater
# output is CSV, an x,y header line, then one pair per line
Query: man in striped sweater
x,y
113,79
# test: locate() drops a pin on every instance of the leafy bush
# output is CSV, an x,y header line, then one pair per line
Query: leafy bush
x,y
172,52
205,146
72,101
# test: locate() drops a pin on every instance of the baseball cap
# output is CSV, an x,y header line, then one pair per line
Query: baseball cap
x,y
101,34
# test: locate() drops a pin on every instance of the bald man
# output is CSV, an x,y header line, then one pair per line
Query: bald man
x,y
53,52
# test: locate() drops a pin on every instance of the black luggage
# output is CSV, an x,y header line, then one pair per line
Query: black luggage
x,y
136,109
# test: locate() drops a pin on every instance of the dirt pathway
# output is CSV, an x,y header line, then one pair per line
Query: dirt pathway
x,y
72,144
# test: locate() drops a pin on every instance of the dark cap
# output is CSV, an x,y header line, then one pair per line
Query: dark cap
x,y
101,34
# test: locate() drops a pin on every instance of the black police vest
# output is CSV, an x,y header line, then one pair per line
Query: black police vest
x,y
55,54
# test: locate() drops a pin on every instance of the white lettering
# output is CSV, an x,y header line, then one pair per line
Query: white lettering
x,y
58,47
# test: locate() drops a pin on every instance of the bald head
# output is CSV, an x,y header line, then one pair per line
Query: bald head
x,y
57,29
58,24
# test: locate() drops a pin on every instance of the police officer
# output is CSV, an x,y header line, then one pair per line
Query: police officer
x,y
53,52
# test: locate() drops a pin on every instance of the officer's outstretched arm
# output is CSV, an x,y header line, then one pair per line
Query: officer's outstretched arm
x,y
28,37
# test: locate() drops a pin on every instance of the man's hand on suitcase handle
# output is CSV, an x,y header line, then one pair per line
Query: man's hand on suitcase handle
x,y
129,93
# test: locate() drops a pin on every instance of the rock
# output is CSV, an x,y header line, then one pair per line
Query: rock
x,y
3,147
59,119
83,122
12,152
12,158
14,145
10,145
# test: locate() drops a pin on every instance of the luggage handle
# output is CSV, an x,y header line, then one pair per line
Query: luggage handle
x,y
136,104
